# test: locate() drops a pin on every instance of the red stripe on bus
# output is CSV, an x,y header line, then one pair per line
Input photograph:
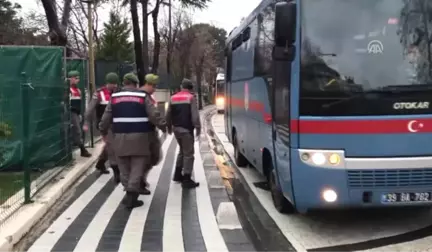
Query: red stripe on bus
x,y
420,125
254,106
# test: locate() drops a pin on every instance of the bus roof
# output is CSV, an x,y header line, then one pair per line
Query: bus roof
x,y
233,34
220,76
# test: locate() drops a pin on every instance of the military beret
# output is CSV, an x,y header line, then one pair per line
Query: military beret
x,y
112,78
131,78
73,74
152,79
187,84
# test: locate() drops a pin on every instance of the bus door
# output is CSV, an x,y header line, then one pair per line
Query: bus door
x,y
280,87
228,105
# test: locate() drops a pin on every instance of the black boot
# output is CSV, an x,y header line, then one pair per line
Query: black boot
x,y
143,189
178,176
132,200
84,152
188,183
116,173
100,166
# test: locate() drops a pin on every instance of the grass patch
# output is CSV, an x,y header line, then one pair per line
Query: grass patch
x,y
11,183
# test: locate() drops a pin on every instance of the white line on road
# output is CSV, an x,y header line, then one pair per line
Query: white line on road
x,y
209,228
50,237
132,234
90,238
172,228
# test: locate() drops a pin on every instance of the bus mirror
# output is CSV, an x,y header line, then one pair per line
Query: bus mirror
x,y
285,23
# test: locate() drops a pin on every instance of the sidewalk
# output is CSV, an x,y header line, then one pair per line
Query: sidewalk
x,y
172,219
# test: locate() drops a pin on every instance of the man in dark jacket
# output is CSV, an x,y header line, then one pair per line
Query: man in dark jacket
x,y
98,103
182,118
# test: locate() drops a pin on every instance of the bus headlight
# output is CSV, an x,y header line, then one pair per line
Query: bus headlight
x,y
329,195
220,101
334,159
318,158
323,158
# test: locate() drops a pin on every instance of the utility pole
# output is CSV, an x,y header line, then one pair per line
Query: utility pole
x,y
169,44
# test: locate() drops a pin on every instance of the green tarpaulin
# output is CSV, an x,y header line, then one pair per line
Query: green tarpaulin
x,y
42,69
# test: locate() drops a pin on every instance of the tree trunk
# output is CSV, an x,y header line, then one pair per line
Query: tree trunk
x,y
199,74
57,30
157,42
137,41
145,45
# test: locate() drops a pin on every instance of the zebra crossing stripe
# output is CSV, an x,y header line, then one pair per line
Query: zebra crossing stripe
x,y
132,234
49,238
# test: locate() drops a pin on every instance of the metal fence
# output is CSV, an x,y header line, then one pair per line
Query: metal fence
x,y
35,135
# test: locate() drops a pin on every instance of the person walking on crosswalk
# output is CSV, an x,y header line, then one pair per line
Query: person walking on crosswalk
x,y
149,87
182,118
76,109
133,118
98,104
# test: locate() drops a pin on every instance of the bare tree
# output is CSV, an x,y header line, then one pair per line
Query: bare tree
x,y
181,20
202,57
71,29
78,26
57,27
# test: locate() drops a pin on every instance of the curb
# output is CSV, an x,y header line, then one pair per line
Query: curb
x,y
28,215
226,171
259,226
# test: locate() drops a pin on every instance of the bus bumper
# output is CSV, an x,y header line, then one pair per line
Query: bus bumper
x,y
310,183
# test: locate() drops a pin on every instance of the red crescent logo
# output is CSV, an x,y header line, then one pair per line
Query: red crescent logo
x,y
414,126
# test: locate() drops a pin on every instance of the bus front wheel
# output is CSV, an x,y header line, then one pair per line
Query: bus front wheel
x,y
240,159
279,201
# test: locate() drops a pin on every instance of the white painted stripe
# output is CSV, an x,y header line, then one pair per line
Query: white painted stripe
x,y
172,228
103,103
75,97
209,228
103,98
91,237
50,237
132,234
127,93
130,119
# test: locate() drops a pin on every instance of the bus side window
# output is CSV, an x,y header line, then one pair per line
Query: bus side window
x,y
265,42
228,63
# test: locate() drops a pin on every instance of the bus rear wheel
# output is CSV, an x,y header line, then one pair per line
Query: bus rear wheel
x,y
279,201
240,159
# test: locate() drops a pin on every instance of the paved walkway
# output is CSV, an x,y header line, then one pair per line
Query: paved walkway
x,y
171,219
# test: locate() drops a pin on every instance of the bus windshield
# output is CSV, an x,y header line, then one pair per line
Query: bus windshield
x,y
220,87
362,57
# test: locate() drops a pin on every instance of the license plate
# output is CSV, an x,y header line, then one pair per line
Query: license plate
x,y
406,197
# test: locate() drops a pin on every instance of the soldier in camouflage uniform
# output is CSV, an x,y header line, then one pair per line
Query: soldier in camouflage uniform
x,y
75,108
133,118
98,103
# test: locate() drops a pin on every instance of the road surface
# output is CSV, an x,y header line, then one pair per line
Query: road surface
x,y
172,219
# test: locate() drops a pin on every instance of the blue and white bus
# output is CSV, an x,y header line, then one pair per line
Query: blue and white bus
x,y
330,100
